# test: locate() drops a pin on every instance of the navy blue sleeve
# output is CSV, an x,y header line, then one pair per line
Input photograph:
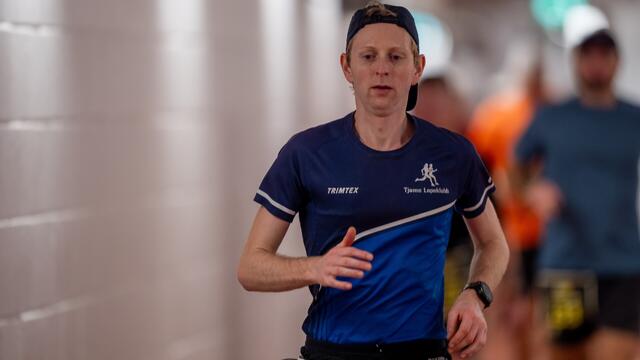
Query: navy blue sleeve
x,y
531,143
478,185
281,191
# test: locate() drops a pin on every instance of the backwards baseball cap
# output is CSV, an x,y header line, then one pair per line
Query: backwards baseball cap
x,y
397,15
586,25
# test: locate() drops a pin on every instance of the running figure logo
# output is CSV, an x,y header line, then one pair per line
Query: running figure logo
x,y
427,173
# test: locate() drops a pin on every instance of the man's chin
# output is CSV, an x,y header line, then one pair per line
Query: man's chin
x,y
596,85
382,108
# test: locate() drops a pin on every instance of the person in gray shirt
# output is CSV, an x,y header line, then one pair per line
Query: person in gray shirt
x,y
586,190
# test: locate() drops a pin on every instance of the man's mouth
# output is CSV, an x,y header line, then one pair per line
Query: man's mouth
x,y
382,87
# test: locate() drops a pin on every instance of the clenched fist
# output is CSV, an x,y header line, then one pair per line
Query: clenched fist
x,y
466,326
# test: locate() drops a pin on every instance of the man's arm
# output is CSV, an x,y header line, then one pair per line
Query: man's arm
x,y
262,269
466,325
541,194
491,253
526,175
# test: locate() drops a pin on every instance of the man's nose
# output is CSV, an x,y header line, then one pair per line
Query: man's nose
x,y
382,67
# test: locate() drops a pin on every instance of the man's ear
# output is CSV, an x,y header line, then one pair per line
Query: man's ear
x,y
346,68
420,69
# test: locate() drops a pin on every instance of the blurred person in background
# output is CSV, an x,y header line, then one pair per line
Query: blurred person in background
x,y
442,105
378,292
586,192
495,128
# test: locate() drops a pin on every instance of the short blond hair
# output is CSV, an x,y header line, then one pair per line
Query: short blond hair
x,y
376,8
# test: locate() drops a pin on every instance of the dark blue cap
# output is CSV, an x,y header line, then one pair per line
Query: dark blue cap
x,y
602,38
402,18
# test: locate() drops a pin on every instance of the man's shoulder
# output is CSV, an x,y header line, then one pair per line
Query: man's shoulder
x,y
443,137
319,135
557,108
630,107
547,116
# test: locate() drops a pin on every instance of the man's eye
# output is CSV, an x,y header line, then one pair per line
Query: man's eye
x,y
368,56
396,57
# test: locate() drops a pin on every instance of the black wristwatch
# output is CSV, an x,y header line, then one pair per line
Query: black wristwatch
x,y
483,291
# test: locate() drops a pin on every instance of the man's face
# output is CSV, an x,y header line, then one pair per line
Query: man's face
x,y
596,66
382,68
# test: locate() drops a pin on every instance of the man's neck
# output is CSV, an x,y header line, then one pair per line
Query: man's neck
x,y
383,133
601,98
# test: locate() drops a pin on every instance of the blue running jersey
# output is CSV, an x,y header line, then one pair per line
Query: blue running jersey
x,y
400,203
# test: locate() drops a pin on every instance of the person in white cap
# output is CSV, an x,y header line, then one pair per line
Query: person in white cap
x,y
589,148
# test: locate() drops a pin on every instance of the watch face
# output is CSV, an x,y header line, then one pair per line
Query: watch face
x,y
486,292
483,291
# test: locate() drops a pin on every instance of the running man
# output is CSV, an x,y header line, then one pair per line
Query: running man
x,y
427,173
590,150
375,241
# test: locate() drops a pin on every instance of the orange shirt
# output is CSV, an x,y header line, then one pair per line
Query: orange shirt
x,y
495,128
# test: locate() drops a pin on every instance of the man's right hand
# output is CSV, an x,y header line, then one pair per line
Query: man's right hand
x,y
545,198
342,260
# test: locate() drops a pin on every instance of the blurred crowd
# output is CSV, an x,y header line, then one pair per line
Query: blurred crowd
x,y
566,170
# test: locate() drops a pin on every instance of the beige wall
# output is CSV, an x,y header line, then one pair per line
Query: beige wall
x,y
133,135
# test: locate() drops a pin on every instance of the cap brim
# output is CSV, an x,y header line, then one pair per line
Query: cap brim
x,y
599,38
413,97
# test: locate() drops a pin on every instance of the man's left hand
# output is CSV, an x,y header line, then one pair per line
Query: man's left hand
x,y
466,325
